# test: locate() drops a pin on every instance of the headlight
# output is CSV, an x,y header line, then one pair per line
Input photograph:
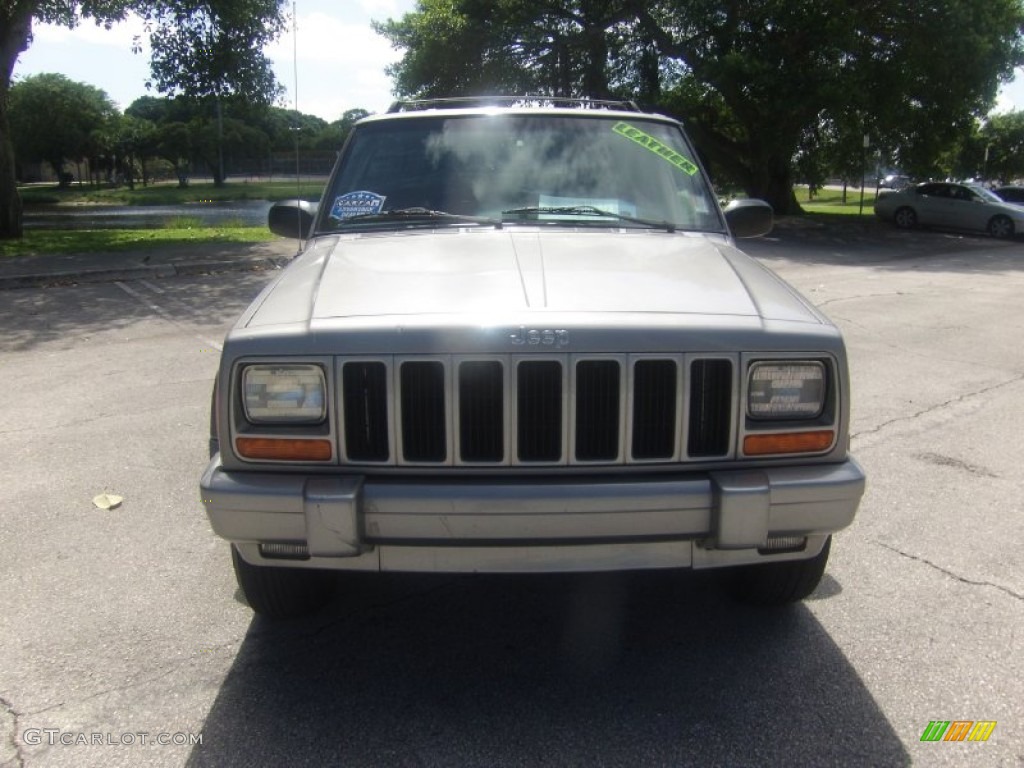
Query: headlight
x,y
295,394
786,390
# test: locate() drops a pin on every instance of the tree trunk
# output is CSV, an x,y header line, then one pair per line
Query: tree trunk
x,y
595,63
771,180
11,223
15,30
778,193
650,76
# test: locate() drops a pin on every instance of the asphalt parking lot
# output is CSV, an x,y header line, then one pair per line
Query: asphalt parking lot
x,y
121,629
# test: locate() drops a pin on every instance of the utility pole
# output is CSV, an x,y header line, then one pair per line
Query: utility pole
x,y
863,170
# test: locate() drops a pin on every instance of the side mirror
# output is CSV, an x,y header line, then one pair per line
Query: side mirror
x,y
292,218
749,218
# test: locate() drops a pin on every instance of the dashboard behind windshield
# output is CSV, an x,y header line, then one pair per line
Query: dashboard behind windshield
x,y
547,169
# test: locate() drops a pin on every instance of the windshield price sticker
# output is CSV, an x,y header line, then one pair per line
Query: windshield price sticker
x,y
649,142
356,204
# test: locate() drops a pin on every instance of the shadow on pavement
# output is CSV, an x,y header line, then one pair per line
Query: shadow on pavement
x,y
869,242
69,315
654,668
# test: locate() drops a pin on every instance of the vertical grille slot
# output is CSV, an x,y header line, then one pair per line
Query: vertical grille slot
x,y
365,405
655,384
710,408
597,410
481,411
423,411
539,410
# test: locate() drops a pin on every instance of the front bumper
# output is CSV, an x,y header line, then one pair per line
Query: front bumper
x,y
525,524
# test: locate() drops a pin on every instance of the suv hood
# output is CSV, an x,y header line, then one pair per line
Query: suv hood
x,y
472,272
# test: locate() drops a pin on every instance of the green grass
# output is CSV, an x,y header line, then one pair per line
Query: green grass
x,y
831,201
171,194
43,241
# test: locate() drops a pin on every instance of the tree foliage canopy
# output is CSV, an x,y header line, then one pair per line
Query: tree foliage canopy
x,y
1002,147
54,119
760,83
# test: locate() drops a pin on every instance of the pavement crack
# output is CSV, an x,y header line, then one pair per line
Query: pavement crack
x,y
860,296
951,574
166,671
953,463
937,407
12,737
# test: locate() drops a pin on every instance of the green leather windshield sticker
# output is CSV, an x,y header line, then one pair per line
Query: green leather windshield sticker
x,y
649,142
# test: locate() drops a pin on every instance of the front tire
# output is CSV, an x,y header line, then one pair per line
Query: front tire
x,y
905,218
1001,227
780,583
282,593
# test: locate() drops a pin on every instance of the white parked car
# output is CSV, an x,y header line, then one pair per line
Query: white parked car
x,y
521,338
951,206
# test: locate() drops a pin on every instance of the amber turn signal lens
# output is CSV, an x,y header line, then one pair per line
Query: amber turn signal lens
x,y
283,450
793,442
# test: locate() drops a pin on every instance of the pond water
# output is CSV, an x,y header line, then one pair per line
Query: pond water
x,y
239,212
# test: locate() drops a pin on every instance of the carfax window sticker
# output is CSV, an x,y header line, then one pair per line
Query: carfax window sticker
x,y
355,204
649,142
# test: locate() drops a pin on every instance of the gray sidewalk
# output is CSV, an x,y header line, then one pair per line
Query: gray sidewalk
x,y
155,262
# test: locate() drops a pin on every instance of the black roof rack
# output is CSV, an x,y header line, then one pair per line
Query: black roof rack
x,y
458,102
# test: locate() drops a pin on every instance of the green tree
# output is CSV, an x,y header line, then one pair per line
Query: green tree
x,y
471,47
163,109
760,83
334,134
283,126
1002,138
203,48
173,143
53,119
229,139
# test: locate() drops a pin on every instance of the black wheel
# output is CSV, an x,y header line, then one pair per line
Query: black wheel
x,y
282,593
905,218
1001,227
779,583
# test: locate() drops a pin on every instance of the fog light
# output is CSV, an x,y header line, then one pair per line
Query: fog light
x,y
284,550
778,544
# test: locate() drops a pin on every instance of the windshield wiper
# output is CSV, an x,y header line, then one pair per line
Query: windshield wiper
x,y
590,210
420,213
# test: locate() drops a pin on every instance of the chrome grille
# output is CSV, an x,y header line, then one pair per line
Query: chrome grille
x,y
553,409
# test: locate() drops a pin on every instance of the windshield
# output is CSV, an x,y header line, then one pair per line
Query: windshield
x,y
542,169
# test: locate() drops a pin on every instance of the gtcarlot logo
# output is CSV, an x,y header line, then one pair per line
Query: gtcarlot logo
x,y
56,737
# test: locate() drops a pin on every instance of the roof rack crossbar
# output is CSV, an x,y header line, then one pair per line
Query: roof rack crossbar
x,y
455,102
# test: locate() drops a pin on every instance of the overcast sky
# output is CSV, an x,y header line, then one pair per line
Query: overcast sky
x,y
340,59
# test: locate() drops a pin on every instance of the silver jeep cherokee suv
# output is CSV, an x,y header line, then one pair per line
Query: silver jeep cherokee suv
x,y
520,338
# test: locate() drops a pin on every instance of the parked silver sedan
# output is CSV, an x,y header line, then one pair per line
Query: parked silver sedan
x,y
953,206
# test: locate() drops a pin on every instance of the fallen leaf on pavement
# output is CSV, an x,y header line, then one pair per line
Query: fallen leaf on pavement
x,y
107,501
